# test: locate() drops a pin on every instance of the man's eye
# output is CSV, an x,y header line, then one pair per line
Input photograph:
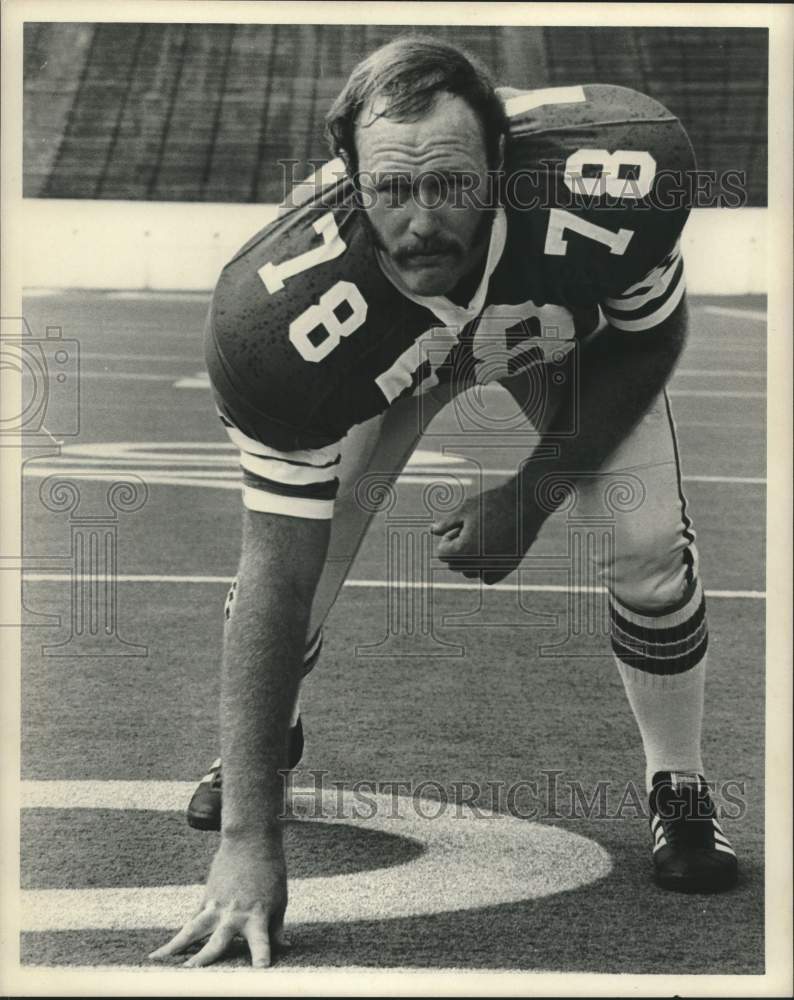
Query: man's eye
x,y
396,188
440,185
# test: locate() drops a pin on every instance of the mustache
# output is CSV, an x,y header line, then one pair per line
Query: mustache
x,y
404,255
434,245
415,249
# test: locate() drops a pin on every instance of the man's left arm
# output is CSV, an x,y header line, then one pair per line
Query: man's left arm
x,y
622,374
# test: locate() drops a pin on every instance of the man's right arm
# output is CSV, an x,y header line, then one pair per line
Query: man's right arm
x,y
282,559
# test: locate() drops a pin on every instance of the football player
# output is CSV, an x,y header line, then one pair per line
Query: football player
x,y
462,236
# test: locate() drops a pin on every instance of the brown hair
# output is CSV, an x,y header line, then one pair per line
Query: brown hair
x,y
409,72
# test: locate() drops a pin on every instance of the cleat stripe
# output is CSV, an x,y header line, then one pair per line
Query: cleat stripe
x,y
214,768
725,849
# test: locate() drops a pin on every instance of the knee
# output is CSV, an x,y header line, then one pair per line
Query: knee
x,y
652,573
656,591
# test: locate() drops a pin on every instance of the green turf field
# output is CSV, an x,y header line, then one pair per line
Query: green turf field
x,y
496,696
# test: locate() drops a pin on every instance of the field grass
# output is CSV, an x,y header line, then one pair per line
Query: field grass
x,y
473,703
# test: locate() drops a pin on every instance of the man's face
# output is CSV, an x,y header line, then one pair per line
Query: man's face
x,y
423,211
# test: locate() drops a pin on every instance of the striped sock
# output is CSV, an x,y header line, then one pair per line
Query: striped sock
x,y
662,662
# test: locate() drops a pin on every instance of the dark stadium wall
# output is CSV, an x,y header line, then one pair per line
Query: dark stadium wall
x,y
205,112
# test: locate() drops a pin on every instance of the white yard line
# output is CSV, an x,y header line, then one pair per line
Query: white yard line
x,y
715,393
164,295
722,425
192,382
150,477
706,352
181,358
537,588
717,343
753,480
196,475
446,472
134,376
718,373
201,382
408,476
100,356
755,314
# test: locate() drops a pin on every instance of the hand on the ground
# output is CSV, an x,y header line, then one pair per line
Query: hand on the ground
x,y
246,896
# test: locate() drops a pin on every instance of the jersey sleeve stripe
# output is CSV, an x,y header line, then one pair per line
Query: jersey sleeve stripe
x,y
650,277
650,288
292,483
654,318
651,300
271,503
316,458
284,471
650,306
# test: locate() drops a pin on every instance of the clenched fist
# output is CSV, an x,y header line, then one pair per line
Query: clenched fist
x,y
489,534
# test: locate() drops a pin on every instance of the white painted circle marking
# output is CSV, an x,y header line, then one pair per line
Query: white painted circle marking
x,y
469,861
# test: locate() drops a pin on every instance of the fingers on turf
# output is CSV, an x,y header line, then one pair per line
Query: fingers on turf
x,y
193,931
254,929
258,943
219,941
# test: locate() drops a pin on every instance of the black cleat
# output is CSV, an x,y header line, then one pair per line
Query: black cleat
x,y
204,808
690,851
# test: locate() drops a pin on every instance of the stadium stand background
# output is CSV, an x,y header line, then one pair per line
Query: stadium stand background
x,y
197,112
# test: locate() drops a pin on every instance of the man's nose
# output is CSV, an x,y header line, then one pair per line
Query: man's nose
x,y
424,221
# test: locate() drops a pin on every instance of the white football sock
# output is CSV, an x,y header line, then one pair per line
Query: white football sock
x,y
669,712
662,661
